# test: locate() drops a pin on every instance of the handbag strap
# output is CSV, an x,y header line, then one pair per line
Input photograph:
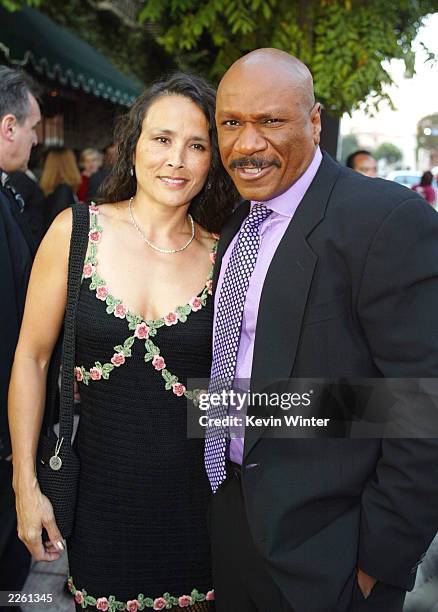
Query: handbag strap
x,y
78,249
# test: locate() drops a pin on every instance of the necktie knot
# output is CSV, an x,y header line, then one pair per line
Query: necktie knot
x,y
258,213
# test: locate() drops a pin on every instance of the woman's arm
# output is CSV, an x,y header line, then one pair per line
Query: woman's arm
x,y
42,321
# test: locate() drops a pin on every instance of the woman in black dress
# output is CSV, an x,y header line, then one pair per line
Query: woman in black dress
x,y
144,328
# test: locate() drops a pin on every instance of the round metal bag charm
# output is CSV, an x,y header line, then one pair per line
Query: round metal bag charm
x,y
55,462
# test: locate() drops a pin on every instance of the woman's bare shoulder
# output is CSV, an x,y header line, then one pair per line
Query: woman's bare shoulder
x,y
61,226
54,248
111,210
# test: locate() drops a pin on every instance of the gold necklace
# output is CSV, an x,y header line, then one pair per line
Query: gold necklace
x,y
153,246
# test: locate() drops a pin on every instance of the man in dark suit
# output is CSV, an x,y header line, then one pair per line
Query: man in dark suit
x,y
19,116
26,184
323,274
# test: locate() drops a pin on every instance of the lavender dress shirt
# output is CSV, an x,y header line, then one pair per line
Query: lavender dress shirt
x,y
271,232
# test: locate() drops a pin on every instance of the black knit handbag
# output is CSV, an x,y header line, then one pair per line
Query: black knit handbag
x,y
57,462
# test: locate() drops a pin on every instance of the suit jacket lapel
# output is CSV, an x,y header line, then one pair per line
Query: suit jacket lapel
x,y
285,292
227,234
20,220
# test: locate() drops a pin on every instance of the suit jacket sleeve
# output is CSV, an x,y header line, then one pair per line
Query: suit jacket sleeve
x,y
9,326
398,309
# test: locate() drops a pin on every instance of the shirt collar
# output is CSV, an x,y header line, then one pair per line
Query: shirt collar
x,y
287,203
3,177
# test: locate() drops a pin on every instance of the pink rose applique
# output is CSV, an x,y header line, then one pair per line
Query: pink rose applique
x,y
79,598
118,359
142,331
78,374
171,318
102,604
102,292
209,596
120,311
132,605
195,304
96,373
159,603
88,270
94,236
209,285
213,258
178,389
94,209
158,362
184,601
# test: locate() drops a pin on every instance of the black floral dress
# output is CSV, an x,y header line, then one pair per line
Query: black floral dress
x,y
140,538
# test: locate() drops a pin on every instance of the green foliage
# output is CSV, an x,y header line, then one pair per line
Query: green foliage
x,y
389,152
15,5
344,42
427,132
349,144
132,50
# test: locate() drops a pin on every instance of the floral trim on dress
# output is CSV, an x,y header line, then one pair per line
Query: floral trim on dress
x,y
143,329
110,604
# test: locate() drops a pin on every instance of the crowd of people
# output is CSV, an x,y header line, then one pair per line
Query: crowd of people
x,y
226,247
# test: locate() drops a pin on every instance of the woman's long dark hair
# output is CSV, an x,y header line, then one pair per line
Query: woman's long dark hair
x,y
218,197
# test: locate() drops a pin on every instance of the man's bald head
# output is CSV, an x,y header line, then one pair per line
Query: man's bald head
x,y
272,65
268,122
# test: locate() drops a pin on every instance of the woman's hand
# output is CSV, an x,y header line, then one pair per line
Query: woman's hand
x,y
35,512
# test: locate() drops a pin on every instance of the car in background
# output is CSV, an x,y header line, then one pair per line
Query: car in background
x,y
408,178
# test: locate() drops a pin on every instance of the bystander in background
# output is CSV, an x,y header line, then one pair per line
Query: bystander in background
x,y
97,179
59,181
90,161
19,116
362,161
425,189
27,186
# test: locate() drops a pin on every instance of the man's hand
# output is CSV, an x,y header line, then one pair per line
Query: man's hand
x,y
365,582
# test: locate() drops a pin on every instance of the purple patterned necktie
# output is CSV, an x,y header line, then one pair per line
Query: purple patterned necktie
x,y
227,334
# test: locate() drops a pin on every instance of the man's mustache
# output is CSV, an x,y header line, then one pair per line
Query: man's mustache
x,y
254,162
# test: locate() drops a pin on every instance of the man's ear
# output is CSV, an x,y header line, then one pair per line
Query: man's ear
x,y
8,125
315,117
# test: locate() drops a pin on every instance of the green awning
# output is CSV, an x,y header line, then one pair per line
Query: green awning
x,y
29,37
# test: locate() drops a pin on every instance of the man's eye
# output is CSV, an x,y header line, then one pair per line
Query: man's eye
x,y
271,121
231,122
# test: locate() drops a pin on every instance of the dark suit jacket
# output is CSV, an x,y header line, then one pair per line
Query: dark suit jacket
x,y
352,292
34,211
16,252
